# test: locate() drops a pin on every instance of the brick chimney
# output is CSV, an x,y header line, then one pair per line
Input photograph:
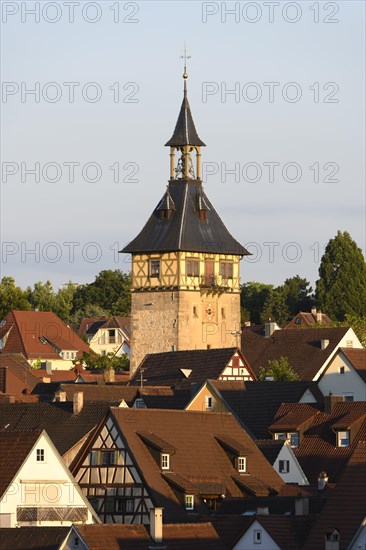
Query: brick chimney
x,y
330,401
78,402
156,524
109,376
313,311
319,317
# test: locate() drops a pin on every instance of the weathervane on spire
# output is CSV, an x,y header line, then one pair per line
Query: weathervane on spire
x,y
185,57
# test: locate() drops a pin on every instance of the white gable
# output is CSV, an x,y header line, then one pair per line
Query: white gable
x,y
288,467
249,540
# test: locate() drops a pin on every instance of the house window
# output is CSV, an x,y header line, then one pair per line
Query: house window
x,y
76,541
235,362
343,439
195,311
257,536
242,464
226,270
112,336
209,402
342,370
154,268
281,436
349,343
67,355
284,466
103,352
124,505
40,455
192,268
139,404
294,439
223,316
298,321
348,396
189,502
165,461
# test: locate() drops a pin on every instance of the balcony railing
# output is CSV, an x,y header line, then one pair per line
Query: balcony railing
x,y
214,281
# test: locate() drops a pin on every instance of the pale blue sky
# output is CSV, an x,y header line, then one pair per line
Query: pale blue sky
x,y
147,53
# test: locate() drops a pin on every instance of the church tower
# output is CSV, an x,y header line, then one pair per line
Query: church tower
x,y
185,263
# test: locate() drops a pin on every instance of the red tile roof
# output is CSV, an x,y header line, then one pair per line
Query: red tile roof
x,y
199,458
302,347
25,329
14,449
114,537
308,319
345,509
16,376
33,538
91,325
357,357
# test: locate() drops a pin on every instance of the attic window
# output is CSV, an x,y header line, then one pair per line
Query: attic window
x,y
257,535
284,466
298,321
189,502
241,462
209,402
165,461
40,455
343,439
342,370
292,437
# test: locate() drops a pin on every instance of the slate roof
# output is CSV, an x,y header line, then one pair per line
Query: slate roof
x,y
317,450
357,357
64,428
16,376
199,458
164,369
184,230
27,327
14,449
300,346
91,325
256,403
185,132
33,538
345,509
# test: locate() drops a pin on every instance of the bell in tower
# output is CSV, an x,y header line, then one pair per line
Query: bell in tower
x,y
185,263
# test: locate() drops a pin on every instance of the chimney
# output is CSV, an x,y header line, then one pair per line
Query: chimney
x,y
301,506
269,328
313,311
322,480
156,524
109,376
324,344
49,367
61,396
262,511
78,402
319,317
332,540
329,402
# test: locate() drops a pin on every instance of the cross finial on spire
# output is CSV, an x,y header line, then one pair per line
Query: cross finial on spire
x,y
185,57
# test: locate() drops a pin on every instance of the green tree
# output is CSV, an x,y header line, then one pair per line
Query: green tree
x,y
42,297
88,311
252,299
278,369
275,307
63,301
110,291
92,361
298,295
11,297
341,287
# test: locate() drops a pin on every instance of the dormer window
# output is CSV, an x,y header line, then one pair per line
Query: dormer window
x,y
165,461
292,437
241,462
189,502
154,268
343,439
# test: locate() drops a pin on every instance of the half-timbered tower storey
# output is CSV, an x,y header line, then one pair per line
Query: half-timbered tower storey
x,y
185,263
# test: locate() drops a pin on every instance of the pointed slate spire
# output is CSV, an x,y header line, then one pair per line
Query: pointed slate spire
x,y
185,132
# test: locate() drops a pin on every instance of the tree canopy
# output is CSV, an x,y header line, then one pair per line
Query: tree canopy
x,y
278,370
341,287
